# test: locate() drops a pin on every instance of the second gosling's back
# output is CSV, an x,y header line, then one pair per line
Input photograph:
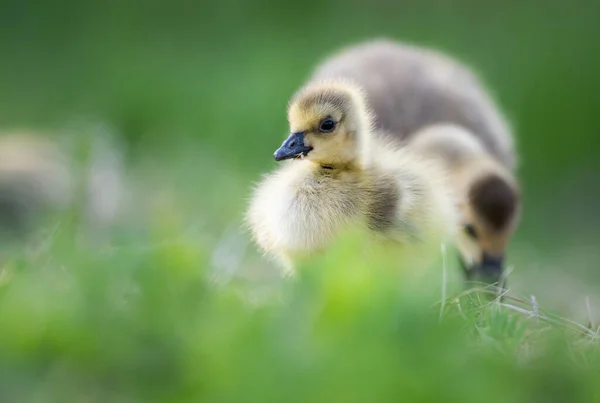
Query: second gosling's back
x,y
336,174
411,87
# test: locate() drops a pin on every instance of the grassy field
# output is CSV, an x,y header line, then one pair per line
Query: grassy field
x,y
171,303
151,320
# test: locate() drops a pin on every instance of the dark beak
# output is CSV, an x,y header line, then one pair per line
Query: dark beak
x,y
489,271
292,147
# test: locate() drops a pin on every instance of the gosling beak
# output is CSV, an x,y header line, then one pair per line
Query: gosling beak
x,y
489,271
292,147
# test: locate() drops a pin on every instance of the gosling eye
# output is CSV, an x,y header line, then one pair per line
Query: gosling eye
x,y
470,230
327,126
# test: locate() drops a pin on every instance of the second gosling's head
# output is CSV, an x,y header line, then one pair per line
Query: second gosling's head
x,y
491,216
329,124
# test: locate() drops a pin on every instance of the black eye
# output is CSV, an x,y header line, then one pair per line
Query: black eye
x,y
327,126
470,230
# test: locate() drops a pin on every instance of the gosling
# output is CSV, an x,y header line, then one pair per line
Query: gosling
x,y
40,178
411,88
34,178
336,173
488,197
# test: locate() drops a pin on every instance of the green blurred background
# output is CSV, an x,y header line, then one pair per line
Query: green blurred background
x,y
213,78
197,92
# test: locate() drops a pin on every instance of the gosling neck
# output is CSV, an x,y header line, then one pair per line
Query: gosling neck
x,y
345,166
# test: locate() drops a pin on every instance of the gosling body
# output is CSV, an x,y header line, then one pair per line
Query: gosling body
x,y
342,177
40,177
33,178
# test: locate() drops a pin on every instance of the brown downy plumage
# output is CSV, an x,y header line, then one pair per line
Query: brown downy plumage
x,y
487,193
34,178
39,177
338,174
411,88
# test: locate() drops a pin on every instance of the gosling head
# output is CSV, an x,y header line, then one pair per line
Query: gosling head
x,y
491,214
329,124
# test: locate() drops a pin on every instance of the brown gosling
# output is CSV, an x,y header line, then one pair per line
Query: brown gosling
x,y
488,197
38,176
410,88
336,173
33,178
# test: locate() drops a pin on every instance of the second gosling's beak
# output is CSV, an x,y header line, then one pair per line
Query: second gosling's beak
x,y
489,271
491,268
292,147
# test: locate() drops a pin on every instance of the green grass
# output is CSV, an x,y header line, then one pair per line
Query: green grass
x,y
150,319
